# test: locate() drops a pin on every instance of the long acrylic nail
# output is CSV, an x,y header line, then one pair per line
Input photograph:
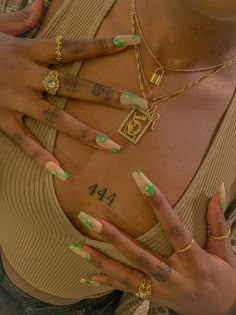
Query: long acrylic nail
x,y
126,40
77,248
91,223
222,196
90,282
143,183
56,170
107,143
133,101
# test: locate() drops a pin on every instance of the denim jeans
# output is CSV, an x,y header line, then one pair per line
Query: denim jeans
x,y
13,301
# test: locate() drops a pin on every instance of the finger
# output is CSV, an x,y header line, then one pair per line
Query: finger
x,y
127,276
174,229
28,143
62,121
137,254
84,90
22,21
217,227
81,49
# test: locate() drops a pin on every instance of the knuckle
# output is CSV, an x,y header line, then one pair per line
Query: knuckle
x,y
105,45
85,133
157,201
110,96
70,83
75,47
176,232
140,260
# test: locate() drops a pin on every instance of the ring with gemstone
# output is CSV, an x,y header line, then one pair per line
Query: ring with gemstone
x,y
51,82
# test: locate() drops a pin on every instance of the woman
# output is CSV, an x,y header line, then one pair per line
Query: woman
x,y
42,222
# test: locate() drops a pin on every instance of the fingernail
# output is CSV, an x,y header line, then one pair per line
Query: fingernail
x,y
77,248
222,196
90,282
143,183
126,40
91,223
107,143
56,170
132,100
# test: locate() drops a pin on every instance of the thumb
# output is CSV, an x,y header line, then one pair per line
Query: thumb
x,y
22,21
217,227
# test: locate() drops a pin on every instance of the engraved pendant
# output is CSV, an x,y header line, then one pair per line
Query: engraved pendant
x,y
135,125
157,76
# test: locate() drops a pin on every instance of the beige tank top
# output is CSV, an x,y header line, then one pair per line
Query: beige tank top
x,y
34,231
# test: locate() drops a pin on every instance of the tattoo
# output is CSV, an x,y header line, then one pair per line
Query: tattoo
x,y
52,116
162,274
102,194
98,89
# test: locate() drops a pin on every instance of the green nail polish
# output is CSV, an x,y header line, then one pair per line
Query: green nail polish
x,y
90,282
115,150
126,40
75,245
101,139
88,224
139,172
222,205
150,189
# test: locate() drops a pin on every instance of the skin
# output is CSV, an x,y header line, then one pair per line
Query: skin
x,y
205,273
201,110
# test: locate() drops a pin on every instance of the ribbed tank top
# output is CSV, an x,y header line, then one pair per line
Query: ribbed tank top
x,y
34,231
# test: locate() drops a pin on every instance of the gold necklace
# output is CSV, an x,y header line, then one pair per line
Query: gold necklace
x,y
137,122
159,72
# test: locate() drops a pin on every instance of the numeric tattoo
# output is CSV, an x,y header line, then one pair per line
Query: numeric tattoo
x,y
101,194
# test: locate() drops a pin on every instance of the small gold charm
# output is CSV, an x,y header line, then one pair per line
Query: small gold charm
x,y
135,125
157,76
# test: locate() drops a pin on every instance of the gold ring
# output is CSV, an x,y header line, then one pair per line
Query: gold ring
x,y
182,250
220,237
145,288
51,82
58,49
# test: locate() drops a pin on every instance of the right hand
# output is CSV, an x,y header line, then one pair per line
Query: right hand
x,y
23,66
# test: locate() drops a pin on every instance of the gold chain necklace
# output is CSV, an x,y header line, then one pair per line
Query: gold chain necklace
x,y
137,122
159,72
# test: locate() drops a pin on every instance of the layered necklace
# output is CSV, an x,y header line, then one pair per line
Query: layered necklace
x,y
138,122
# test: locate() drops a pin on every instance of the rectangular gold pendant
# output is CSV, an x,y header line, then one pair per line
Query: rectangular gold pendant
x,y
135,125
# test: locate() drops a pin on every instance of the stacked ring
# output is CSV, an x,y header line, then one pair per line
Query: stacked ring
x,y
51,82
186,248
145,288
58,49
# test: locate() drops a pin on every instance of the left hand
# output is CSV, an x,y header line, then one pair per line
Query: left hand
x,y
192,282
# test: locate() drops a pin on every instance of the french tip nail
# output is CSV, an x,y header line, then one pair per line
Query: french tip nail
x,y
107,144
222,196
90,222
143,183
90,282
56,170
121,41
133,101
74,245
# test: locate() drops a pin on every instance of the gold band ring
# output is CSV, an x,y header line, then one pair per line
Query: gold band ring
x,y
145,288
182,250
58,49
51,82
220,237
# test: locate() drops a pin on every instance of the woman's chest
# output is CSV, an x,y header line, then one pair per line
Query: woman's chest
x,y
100,182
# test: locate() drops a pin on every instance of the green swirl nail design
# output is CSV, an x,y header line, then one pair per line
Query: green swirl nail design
x,y
150,189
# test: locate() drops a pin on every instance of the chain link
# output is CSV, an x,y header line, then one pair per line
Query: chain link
x,y
155,100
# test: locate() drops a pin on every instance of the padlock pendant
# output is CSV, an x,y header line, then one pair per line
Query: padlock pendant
x,y
157,76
